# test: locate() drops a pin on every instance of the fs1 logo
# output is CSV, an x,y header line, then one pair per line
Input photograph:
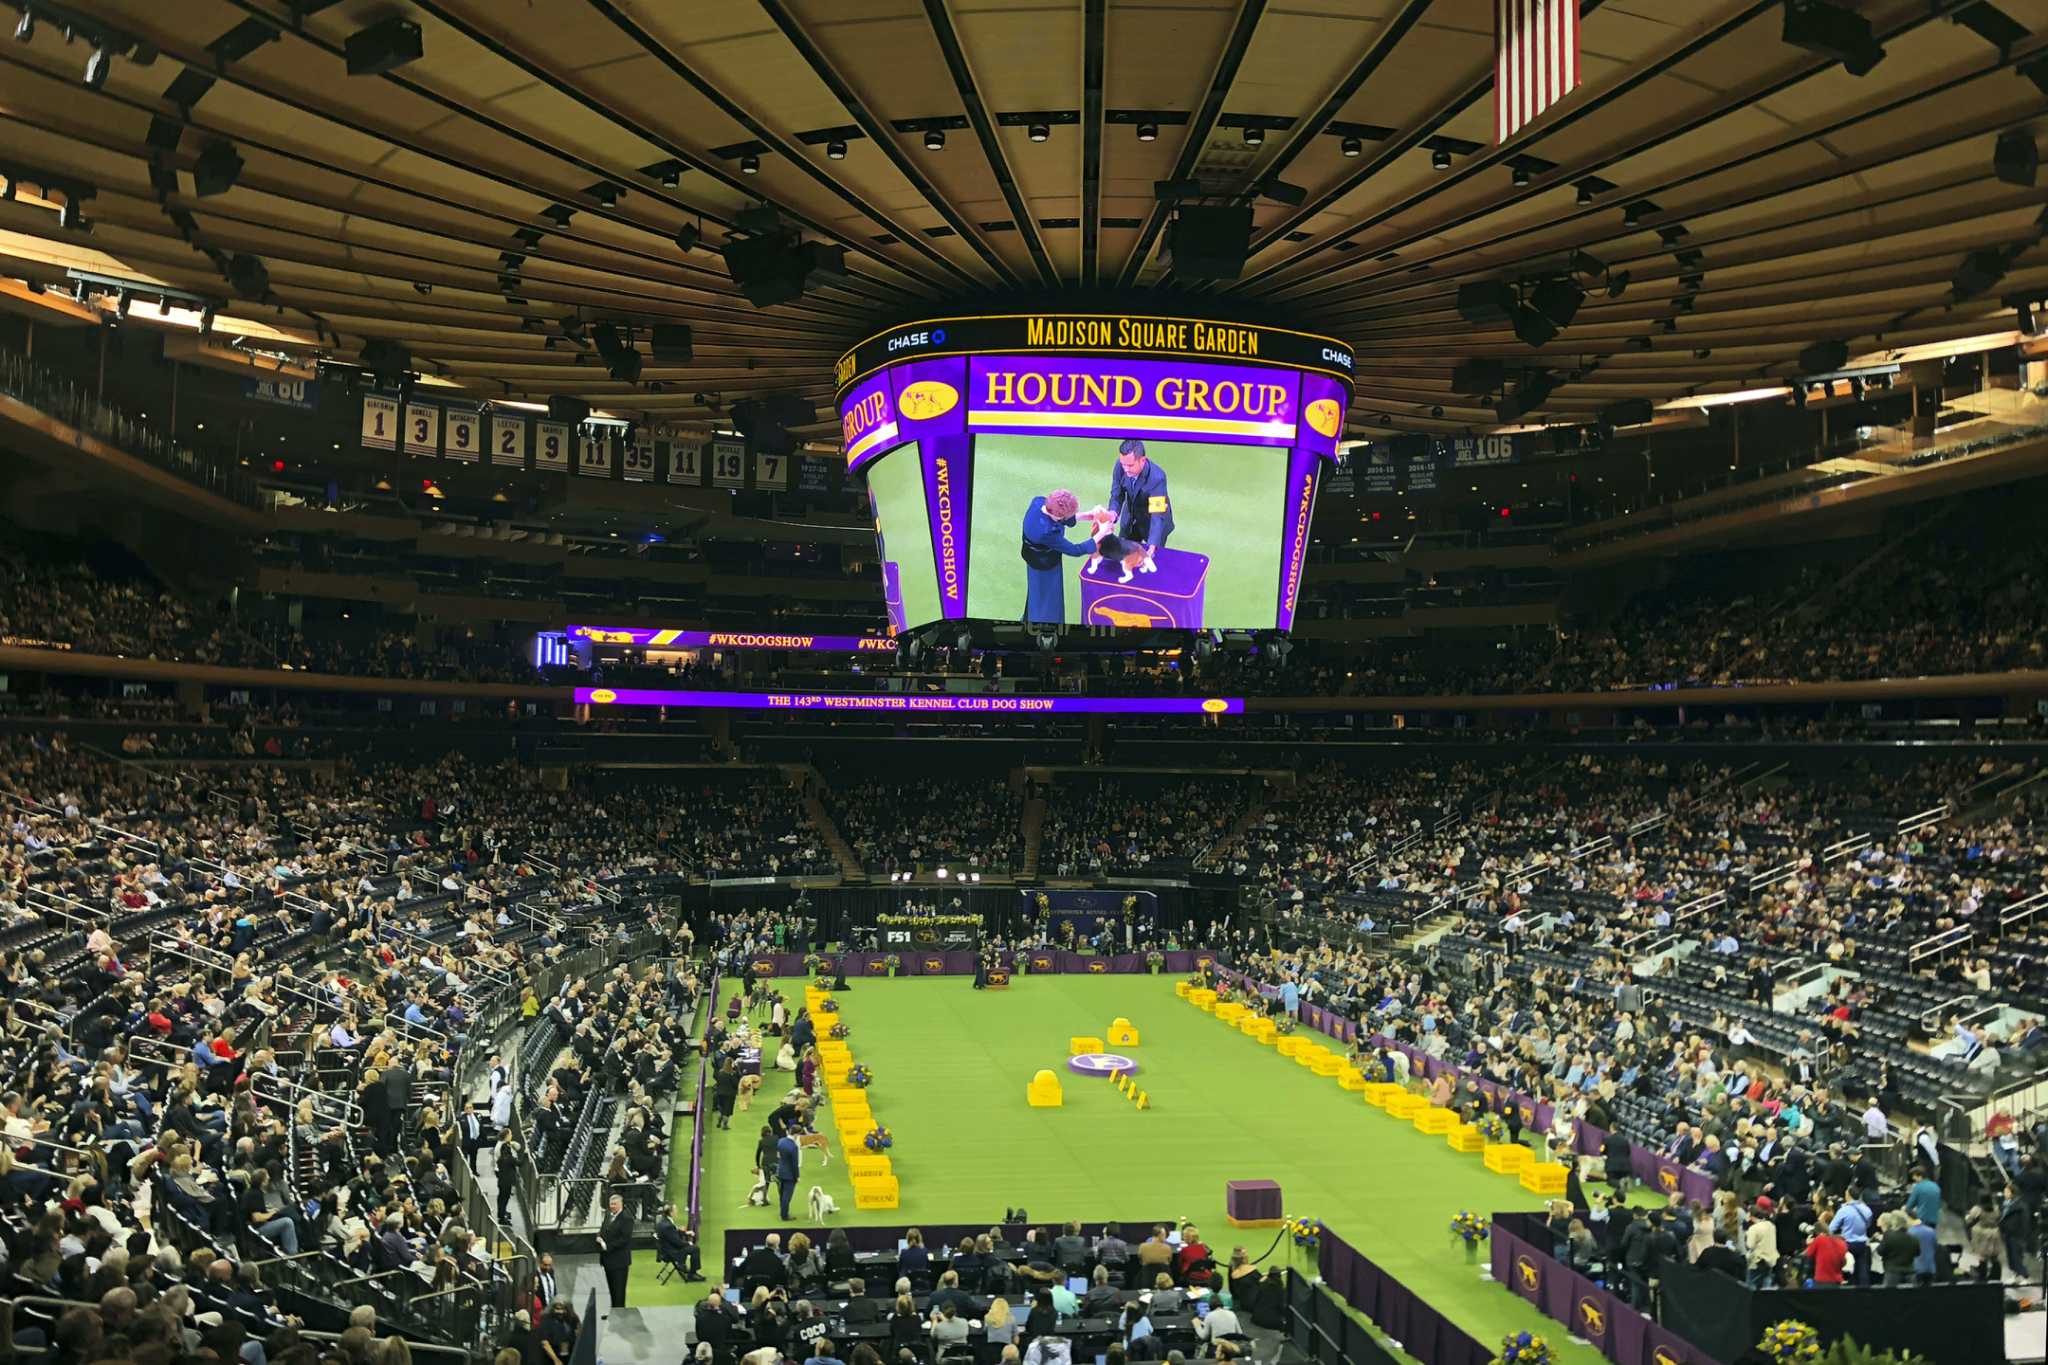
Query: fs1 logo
x,y
910,341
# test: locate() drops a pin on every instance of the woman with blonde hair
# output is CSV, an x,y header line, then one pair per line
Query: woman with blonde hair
x,y
1000,1327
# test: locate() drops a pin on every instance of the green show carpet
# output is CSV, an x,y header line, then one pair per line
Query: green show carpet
x,y
951,1064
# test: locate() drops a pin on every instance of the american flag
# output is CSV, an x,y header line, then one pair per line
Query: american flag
x,y
1536,59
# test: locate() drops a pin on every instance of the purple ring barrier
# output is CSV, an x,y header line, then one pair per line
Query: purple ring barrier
x,y
696,1198
960,962
1620,1332
1423,1332
1101,1064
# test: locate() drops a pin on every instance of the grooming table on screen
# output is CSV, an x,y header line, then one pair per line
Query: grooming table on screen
x,y
1171,596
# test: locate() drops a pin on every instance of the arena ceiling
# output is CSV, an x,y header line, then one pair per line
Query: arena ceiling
x,y
528,177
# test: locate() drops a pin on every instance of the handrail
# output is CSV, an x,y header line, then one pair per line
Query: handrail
x,y
66,907
1584,851
1931,1017
1649,822
1933,815
1843,848
1934,945
1713,900
292,1093
1772,876
2023,910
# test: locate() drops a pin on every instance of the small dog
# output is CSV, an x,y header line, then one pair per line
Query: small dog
x,y
823,1205
757,1197
1133,555
816,1142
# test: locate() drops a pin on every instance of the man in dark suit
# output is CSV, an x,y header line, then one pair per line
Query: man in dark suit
x,y
677,1244
545,1277
615,1249
763,1265
785,1170
470,1127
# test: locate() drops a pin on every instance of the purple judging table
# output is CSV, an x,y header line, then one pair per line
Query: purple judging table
x,y
1253,1203
1170,596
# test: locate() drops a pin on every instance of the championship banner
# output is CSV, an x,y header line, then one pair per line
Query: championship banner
x,y
639,456
900,702
771,472
551,446
728,462
813,476
380,422
460,435
508,441
643,637
686,463
422,429
594,453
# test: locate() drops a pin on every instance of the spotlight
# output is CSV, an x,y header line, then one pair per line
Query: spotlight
x,y
935,139
1254,136
1519,173
1587,194
942,874
687,236
96,68
1148,132
216,170
1352,146
750,165
1440,159
671,178
25,31
2027,324
835,150
206,321
1617,284
1039,132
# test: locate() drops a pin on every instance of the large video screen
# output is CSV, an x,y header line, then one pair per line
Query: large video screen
x,y
1140,473
1167,533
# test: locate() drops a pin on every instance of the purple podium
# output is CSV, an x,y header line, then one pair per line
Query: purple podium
x,y
1168,597
1252,1203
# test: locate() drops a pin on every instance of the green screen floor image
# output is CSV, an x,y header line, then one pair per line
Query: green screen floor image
x,y
950,1068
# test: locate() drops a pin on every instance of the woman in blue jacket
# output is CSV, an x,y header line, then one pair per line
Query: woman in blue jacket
x,y
1045,545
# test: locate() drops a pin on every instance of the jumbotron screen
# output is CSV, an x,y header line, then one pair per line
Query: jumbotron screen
x,y
1092,470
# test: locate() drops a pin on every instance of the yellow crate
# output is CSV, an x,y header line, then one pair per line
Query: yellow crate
x,y
1466,1137
1231,1012
1435,1122
1506,1158
1080,1043
1544,1178
1380,1093
1265,1031
1183,988
834,1047
1290,1045
1406,1105
1330,1064
1123,1033
876,1192
1351,1078
843,1095
1203,1000
861,1162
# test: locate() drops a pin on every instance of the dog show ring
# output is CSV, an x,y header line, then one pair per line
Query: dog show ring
x,y
1101,1064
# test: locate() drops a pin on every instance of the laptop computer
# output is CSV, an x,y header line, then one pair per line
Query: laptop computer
x,y
1077,1285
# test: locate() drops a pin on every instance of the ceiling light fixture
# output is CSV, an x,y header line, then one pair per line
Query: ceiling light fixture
x,y
1440,159
1254,136
1148,132
1352,146
750,165
96,68
25,31
935,139
835,150
1039,132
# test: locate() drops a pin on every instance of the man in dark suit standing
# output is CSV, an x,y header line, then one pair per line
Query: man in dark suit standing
x,y
615,1249
785,1170
470,1127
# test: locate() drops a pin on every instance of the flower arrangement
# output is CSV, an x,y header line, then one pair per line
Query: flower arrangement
x,y
839,1030
1524,1349
893,962
828,1006
1307,1232
1154,960
814,964
879,1139
859,1077
1469,1228
1492,1127
1789,1341
1285,1024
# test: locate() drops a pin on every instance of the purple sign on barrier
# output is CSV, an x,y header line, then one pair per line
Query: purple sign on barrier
x,y
899,703
653,637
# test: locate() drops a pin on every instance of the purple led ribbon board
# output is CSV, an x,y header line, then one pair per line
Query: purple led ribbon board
x,y
900,703
663,638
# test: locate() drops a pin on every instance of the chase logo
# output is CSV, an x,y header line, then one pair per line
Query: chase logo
x,y
910,341
1337,357
602,695
1592,1318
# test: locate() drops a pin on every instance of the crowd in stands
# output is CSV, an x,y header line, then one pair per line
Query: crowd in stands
x,y
908,825
1097,824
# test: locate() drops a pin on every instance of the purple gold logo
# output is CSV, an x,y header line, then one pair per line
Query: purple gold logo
x,y
1667,1177
1592,1318
927,398
603,694
1528,1273
1324,415
935,964
1664,1355
1097,965
1215,705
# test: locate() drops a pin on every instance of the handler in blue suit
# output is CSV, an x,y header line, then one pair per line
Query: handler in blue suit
x,y
1045,544
1142,512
